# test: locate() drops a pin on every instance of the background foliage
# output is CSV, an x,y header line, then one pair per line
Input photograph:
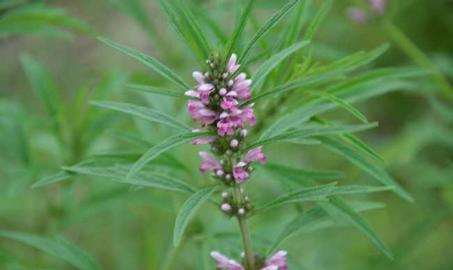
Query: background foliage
x,y
53,66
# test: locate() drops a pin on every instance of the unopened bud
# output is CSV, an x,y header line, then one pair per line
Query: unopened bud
x,y
230,83
226,207
225,195
222,92
241,211
244,132
234,143
219,173
228,176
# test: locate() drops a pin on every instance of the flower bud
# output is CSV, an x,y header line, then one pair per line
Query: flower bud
x,y
225,195
226,207
222,92
241,211
219,173
228,176
244,133
234,143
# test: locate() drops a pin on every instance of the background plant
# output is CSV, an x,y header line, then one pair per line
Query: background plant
x,y
150,211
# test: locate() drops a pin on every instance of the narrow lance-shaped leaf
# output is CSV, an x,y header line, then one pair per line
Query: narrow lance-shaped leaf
x,y
234,40
58,177
118,174
274,61
266,27
155,90
148,61
343,104
354,156
294,135
143,112
316,22
350,215
59,248
162,147
188,210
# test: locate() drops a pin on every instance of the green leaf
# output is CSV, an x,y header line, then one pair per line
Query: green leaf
x,y
59,248
318,19
188,210
266,27
343,104
183,22
234,40
292,135
315,193
41,20
299,175
42,85
162,147
350,215
60,176
154,90
274,61
149,62
354,155
119,173
143,112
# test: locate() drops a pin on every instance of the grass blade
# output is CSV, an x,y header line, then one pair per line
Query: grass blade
x,y
266,27
143,112
154,90
149,62
188,210
59,248
58,177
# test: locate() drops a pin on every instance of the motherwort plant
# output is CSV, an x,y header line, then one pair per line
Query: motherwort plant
x,y
246,97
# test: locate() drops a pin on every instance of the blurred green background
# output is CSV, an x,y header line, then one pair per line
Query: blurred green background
x,y
130,228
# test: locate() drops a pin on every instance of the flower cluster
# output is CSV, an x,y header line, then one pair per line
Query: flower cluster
x,y
360,15
216,103
276,262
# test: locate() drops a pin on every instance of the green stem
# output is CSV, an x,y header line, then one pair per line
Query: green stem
x,y
245,233
417,55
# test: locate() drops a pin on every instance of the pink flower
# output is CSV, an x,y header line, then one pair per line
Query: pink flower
x,y
209,163
241,87
240,172
357,15
225,263
247,115
205,90
278,260
209,139
199,112
228,103
256,154
232,66
378,6
198,76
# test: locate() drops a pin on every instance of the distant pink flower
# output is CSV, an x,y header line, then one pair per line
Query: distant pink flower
x,y
256,154
240,172
357,15
378,6
225,263
232,66
279,259
209,163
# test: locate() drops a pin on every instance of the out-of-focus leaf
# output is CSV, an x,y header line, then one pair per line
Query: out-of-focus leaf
x,y
188,210
59,248
318,19
265,28
274,61
353,155
118,174
143,112
137,11
313,131
60,176
39,19
162,147
351,216
148,61
299,175
154,90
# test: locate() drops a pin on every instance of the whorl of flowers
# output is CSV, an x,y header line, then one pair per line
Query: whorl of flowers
x,y
276,262
360,15
216,103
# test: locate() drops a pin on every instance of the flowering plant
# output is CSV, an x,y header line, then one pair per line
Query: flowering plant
x,y
238,119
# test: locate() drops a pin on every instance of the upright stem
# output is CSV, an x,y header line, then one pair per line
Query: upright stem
x,y
245,233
